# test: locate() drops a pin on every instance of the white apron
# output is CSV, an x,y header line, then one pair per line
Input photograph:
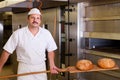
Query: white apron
x,y
25,68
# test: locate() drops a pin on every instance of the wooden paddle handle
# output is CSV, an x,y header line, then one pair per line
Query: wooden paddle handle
x,y
23,74
31,73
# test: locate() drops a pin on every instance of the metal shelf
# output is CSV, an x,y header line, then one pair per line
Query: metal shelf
x,y
102,35
111,73
103,18
106,54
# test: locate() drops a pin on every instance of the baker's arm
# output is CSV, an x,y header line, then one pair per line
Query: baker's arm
x,y
51,57
3,58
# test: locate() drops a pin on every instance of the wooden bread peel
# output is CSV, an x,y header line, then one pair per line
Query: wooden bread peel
x,y
95,68
71,69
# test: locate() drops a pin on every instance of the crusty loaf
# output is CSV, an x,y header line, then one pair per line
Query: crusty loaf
x,y
106,63
84,65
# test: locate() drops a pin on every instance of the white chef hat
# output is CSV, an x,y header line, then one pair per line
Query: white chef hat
x,y
34,11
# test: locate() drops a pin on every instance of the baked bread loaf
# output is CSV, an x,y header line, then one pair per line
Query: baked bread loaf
x,y
106,63
84,65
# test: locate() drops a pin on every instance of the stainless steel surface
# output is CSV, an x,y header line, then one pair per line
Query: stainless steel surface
x,y
8,5
1,36
80,31
24,5
68,40
102,35
103,18
71,36
71,39
102,30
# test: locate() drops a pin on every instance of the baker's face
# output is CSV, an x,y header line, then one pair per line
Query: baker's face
x,y
34,20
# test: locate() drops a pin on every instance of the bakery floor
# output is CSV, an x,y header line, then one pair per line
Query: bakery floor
x,y
7,70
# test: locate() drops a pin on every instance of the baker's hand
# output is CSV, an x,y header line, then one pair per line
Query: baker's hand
x,y
54,70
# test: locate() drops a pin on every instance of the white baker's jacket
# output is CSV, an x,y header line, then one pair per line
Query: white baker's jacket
x,y
30,49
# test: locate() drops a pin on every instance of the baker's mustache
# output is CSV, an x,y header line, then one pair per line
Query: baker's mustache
x,y
35,22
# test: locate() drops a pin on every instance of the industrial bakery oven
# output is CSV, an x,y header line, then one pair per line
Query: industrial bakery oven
x,y
94,34
101,37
